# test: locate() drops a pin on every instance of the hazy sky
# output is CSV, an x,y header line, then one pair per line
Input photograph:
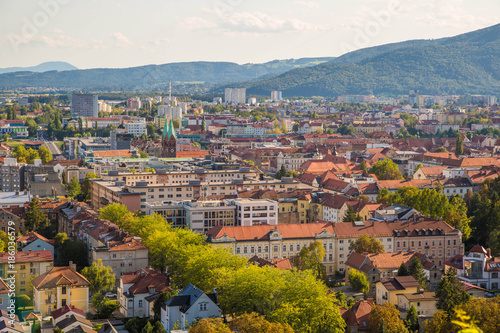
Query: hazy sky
x,y
125,33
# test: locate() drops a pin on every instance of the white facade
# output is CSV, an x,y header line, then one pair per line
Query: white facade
x,y
276,95
170,112
235,95
256,211
137,127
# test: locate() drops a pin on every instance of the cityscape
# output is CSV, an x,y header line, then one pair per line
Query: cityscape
x,y
226,176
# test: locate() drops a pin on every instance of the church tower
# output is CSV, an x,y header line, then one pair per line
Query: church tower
x,y
169,140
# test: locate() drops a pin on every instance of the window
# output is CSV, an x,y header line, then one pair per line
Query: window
x,y
23,266
140,303
203,306
284,248
494,275
238,250
63,290
63,302
245,249
275,248
259,249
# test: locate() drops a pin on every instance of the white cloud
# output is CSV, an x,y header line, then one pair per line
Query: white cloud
x,y
159,41
121,40
195,23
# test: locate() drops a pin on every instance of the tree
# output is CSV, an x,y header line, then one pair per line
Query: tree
x,y
32,155
104,306
45,154
100,277
86,185
485,312
440,323
281,173
363,165
158,327
23,301
60,238
358,281
35,219
283,127
143,154
351,215
203,125
411,321
403,270
21,154
209,325
386,170
441,150
148,328
4,240
418,167
459,146
177,123
385,318
450,292
253,323
80,124
71,250
367,244
6,137
116,213
150,129
310,257
74,187
417,271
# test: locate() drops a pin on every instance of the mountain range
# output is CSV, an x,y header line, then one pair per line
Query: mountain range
x,y
43,67
152,76
465,64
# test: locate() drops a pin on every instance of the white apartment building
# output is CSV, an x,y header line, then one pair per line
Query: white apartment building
x,y
84,105
136,127
276,95
256,211
235,95
170,112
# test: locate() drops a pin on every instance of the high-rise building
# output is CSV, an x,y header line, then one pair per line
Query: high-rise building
x,y
84,105
276,95
235,95
170,112
120,139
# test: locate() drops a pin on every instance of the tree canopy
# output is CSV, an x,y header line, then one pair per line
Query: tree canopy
x,y
358,281
386,170
365,243
100,277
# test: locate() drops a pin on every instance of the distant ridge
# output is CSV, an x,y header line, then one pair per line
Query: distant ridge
x,y
148,77
465,64
43,67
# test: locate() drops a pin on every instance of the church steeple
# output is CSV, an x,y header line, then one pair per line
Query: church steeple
x,y
169,140
165,128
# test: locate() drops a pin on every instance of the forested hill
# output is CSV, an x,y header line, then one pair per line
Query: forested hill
x,y
148,77
464,64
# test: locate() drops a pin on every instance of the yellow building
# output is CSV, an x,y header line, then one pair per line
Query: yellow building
x,y
424,302
388,290
309,208
58,287
25,265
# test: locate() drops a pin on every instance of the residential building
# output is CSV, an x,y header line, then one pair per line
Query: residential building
x,y
380,266
14,214
423,301
170,112
477,268
256,211
65,311
135,127
11,176
72,323
84,105
387,291
235,95
357,318
286,240
14,199
26,265
134,287
58,287
4,295
33,241
189,305
120,139
276,95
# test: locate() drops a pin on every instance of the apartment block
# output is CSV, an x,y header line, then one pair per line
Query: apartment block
x,y
256,211
84,105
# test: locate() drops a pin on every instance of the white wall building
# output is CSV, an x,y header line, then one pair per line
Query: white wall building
x,y
256,211
235,95
136,127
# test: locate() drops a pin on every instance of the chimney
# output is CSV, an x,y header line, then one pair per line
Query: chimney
x,y
72,265
17,192
488,252
25,192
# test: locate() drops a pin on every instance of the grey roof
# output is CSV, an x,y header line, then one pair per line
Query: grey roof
x,y
187,297
12,198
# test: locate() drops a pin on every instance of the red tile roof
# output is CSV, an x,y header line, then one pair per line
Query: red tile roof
x,y
359,314
66,309
28,256
60,276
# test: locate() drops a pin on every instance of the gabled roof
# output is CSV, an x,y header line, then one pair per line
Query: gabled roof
x,y
72,319
28,256
359,314
283,263
143,282
187,297
33,236
4,325
67,309
60,276
400,283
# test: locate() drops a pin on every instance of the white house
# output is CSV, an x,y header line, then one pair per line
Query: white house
x,y
189,305
134,287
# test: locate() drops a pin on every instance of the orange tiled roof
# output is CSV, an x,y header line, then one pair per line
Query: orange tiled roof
x,y
112,153
59,276
28,256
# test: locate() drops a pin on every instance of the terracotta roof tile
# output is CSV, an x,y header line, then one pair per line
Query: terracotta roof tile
x,y
60,275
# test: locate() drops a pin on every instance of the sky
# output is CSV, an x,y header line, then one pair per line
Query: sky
x,y
127,33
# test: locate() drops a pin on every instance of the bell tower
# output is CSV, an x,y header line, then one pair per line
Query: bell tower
x,y
169,140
